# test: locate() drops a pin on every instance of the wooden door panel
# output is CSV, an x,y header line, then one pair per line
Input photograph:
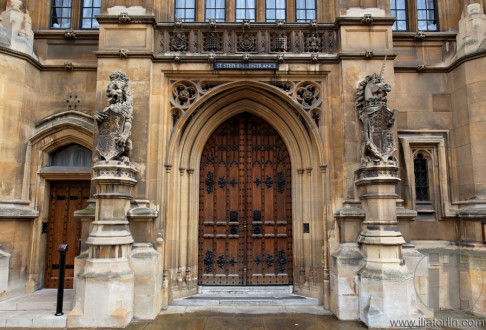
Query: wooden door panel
x,y
62,227
245,206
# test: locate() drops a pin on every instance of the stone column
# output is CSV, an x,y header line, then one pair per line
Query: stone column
x,y
386,288
105,288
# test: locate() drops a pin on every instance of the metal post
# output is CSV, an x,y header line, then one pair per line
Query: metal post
x,y
60,280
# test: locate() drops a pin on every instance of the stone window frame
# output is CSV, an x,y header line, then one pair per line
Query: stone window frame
x,y
301,6
433,145
412,13
269,8
76,16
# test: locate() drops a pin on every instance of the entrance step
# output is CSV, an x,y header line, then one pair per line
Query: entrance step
x,y
244,290
246,296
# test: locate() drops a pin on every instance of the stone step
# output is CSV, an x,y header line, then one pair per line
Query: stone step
x,y
43,300
32,319
242,290
245,300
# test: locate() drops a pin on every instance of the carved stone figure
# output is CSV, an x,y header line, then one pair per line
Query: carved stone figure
x,y
115,121
16,28
377,119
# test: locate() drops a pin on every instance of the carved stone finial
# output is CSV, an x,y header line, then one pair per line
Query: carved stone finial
x,y
178,23
367,19
177,58
115,121
369,54
378,138
212,23
246,57
124,18
280,23
314,58
211,58
313,24
280,57
70,34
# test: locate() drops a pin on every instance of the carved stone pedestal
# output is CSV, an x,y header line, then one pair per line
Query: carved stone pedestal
x,y
105,287
386,289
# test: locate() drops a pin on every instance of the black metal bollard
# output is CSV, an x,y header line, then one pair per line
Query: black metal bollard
x,y
60,281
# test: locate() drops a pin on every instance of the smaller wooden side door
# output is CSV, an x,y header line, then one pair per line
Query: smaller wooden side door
x,y
62,227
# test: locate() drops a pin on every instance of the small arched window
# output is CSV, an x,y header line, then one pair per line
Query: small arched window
x,y
421,172
72,155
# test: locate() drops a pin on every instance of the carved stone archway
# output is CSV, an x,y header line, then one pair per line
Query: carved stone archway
x,y
181,193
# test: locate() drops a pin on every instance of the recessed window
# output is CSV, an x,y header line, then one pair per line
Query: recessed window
x,y
421,172
74,14
399,10
275,10
91,8
215,9
61,14
185,10
415,15
305,10
245,9
427,15
72,155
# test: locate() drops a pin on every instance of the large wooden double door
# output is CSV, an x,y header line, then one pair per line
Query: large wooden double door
x,y
62,227
245,211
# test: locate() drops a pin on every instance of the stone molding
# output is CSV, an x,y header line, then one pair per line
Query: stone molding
x,y
14,209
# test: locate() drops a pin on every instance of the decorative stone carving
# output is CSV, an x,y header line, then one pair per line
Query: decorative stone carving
x,y
184,93
213,42
72,102
115,121
16,28
179,42
278,42
313,42
70,34
124,18
308,94
246,42
371,104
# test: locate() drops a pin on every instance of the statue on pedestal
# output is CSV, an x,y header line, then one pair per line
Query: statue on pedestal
x,y
377,119
115,121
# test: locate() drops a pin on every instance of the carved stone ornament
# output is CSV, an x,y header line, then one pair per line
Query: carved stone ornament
x,y
246,42
308,94
179,42
115,121
371,104
184,94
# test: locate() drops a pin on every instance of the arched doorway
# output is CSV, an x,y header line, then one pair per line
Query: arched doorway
x,y
245,206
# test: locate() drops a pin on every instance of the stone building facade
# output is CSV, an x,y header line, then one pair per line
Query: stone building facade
x,y
216,85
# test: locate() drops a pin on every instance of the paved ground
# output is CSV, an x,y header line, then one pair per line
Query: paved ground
x,y
36,310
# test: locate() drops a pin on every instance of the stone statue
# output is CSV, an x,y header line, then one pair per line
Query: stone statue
x,y
115,121
377,119
16,28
